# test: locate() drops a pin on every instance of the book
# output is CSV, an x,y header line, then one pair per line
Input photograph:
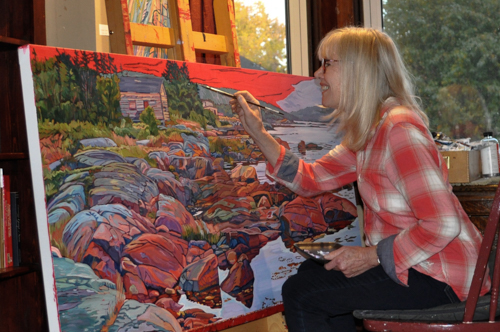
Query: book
x,y
7,224
16,228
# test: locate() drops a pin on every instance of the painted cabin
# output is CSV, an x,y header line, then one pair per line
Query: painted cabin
x,y
209,105
137,93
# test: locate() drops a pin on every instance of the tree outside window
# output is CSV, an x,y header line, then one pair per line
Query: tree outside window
x,y
452,48
261,38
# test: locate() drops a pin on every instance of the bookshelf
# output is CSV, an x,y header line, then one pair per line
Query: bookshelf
x,y
21,288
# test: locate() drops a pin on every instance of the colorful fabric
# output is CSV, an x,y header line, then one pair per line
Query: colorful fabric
x,y
410,210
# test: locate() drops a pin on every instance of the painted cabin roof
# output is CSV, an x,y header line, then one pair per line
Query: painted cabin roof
x,y
141,84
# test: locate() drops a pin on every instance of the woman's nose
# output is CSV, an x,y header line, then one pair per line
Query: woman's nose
x,y
319,73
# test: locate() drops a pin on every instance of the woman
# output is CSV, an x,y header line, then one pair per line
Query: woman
x,y
421,248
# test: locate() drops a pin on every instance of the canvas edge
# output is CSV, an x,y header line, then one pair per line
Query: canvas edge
x,y
49,284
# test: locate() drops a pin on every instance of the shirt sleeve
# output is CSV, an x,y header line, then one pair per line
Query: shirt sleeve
x,y
332,171
414,166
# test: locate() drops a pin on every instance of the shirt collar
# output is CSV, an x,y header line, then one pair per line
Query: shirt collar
x,y
387,105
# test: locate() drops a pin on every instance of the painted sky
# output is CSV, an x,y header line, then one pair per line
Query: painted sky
x,y
281,90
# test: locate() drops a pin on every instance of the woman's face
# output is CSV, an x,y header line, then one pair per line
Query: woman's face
x,y
329,80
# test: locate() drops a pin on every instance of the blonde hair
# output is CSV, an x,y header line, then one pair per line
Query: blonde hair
x,y
372,70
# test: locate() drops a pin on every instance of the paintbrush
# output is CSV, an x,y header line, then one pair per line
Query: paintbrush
x,y
233,96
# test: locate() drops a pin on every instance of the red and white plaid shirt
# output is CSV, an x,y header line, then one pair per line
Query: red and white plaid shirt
x,y
407,198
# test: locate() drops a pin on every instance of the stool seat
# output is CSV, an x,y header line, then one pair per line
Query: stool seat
x,y
447,313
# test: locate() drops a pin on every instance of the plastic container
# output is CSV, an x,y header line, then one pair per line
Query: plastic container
x,y
490,155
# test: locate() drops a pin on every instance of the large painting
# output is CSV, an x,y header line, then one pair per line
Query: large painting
x,y
154,212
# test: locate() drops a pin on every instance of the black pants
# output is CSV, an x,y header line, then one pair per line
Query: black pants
x,y
319,300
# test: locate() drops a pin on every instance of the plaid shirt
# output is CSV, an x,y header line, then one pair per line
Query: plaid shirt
x,y
410,211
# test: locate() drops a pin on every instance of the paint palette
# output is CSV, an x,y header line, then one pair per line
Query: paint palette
x,y
316,250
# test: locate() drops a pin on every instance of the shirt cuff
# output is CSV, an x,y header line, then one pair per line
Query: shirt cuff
x,y
273,171
385,255
269,168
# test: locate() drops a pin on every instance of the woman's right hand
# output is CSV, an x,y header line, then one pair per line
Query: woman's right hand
x,y
251,120
249,115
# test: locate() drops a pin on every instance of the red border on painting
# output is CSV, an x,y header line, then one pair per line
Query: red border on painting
x,y
246,318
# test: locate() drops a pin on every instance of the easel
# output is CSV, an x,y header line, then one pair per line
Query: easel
x,y
180,40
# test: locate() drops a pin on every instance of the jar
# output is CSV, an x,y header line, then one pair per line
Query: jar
x,y
490,155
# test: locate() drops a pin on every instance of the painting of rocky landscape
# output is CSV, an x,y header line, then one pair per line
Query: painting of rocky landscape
x,y
153,207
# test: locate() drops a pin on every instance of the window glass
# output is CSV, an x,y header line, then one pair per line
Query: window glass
x,y
132,105
452,48
261,29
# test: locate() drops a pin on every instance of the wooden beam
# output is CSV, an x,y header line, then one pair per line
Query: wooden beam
x,y
209,43
120,40
155,36
209,26
186,30
151,35
175,52
225,25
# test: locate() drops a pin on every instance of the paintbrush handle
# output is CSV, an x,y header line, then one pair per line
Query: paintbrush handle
x,y
233,96
264,107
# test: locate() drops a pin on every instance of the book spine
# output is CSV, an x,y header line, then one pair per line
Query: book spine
x,y
7,230
16,228
2,260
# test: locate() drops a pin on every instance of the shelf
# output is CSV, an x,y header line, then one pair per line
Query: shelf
x,y
9,44
13,41
22,296
13,156
12,272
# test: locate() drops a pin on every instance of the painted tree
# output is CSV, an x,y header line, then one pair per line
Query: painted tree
x,y
183,98
68,90
148,117
260,38
108,106
452,49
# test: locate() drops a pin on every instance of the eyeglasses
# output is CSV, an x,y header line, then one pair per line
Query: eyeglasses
x,y
325,63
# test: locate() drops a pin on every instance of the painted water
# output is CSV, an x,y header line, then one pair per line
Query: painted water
x,y
310,132
280,263
275,259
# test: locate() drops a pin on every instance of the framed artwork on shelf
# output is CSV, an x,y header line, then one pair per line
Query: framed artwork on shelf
x,y
153,207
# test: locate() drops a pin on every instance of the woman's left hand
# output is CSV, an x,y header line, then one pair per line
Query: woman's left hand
x,y
352,261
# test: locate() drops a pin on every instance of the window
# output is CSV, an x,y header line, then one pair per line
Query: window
x,y
132,105
452,49
261,30
270,32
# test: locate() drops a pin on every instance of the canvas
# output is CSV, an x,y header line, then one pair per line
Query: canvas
x,y
153,208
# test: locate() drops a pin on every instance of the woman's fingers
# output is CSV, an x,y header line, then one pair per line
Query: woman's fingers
x,y
247,96
235,106
249,115
239,103
242,108
352,260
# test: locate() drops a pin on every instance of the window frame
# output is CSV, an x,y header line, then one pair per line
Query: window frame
x,y
372,14
297,37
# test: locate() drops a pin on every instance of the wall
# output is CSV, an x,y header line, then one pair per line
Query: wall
x,y
75,24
